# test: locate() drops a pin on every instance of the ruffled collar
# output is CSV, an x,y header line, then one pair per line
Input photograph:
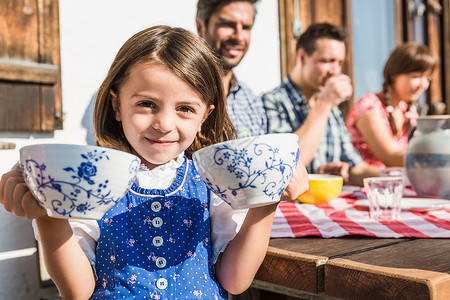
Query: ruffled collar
x,y
172,165
160,177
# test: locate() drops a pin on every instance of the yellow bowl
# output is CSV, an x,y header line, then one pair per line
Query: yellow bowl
x,y
322,188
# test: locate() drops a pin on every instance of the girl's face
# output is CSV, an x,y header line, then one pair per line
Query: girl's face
x,y
408,87
160,113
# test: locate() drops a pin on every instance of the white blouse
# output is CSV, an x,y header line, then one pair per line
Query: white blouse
x,y
225,222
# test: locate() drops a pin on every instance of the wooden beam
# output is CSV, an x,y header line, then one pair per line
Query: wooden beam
x,y
26,71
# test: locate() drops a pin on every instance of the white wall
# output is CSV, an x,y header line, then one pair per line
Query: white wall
x,y
91,34
93,31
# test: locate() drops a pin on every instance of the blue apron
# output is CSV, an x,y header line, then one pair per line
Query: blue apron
x,y
155,244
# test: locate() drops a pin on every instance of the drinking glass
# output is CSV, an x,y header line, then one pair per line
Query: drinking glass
x,y
384,195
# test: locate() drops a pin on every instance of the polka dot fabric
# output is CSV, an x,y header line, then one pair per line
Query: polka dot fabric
x,y
155,244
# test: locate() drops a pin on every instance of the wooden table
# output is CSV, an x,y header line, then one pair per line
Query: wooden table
x,y
354,268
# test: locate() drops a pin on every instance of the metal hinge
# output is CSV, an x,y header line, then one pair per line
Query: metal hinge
x,y
59,117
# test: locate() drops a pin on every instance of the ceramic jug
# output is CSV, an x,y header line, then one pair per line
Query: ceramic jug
x,y
427,158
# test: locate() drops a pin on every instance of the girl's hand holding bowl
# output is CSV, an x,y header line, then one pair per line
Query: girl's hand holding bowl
x,y
15,196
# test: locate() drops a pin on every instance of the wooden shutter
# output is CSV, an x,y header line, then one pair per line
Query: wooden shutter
x,y
30,77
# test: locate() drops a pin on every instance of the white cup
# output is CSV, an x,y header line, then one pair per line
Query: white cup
x,y
385,195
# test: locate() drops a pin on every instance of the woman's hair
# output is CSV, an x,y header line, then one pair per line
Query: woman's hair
x,y
406,58
185,55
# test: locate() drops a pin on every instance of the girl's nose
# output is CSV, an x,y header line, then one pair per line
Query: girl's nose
x,y
164,121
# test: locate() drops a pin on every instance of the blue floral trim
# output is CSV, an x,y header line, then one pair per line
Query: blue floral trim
x,y
73,191
240,163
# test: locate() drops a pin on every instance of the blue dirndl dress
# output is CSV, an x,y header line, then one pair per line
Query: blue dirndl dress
x,y
155,244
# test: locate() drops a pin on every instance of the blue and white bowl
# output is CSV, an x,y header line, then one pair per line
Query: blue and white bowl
x,y
249,172
76,181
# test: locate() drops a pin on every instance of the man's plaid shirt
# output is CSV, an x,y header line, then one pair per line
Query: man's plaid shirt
x,y
287,109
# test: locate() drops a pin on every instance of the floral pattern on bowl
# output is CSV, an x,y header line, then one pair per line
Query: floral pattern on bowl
x,y
259,167
81,188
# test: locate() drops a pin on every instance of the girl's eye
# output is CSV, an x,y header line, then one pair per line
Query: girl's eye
x,y
148,104
186,109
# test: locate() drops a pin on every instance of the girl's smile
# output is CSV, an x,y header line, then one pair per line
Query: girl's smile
x,y
160,113
161,143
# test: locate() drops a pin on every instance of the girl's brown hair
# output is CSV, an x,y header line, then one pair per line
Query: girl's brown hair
x,y
406,58
185,55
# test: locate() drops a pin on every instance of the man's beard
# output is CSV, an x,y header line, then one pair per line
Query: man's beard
x,y
225,64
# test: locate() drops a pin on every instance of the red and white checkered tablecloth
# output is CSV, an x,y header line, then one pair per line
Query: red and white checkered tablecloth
x,y
342,217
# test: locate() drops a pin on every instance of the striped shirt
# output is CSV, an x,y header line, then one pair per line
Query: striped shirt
x,y
287,109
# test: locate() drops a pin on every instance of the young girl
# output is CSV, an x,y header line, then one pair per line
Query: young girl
x,y
169,237
379,123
